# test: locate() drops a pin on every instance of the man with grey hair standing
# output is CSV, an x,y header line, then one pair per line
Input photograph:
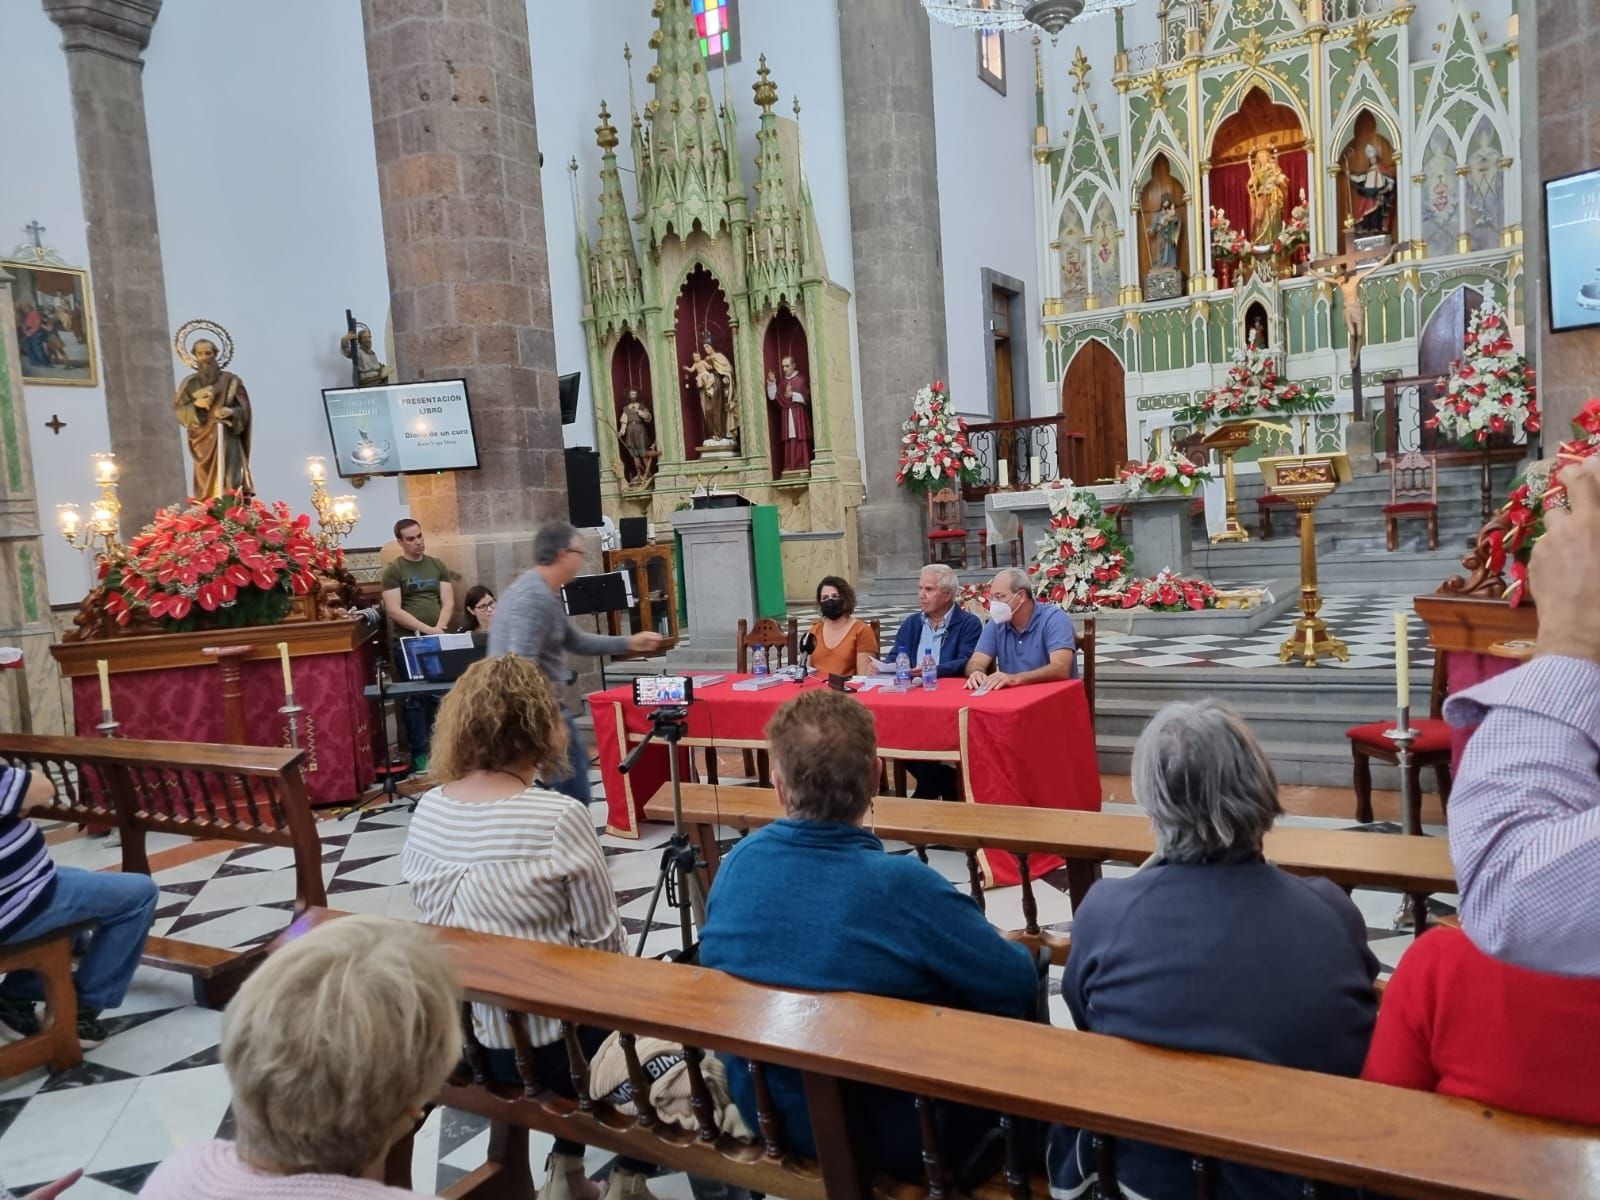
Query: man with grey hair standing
x,y
531,620
1211,948
943,629
1025,641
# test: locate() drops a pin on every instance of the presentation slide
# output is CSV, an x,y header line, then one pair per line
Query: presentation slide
x,y
401,428
1572,241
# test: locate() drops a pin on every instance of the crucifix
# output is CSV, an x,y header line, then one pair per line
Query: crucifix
x,y
1348,275
34,228
55,424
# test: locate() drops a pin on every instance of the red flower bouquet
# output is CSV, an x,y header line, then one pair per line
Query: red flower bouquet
x,y
1532,496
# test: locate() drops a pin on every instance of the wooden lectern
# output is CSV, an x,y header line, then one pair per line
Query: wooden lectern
x,y
1303,480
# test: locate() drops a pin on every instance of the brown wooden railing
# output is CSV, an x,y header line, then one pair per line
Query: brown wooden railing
x,y
1046,441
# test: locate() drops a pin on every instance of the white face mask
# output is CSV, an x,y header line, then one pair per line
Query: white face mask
x,y
1000,611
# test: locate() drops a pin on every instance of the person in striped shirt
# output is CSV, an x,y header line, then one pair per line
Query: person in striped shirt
x,y
494,850
36,896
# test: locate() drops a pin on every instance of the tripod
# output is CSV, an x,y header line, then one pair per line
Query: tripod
x,y
676,876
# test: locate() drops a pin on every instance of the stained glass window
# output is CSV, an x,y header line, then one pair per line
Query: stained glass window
x,y
717,23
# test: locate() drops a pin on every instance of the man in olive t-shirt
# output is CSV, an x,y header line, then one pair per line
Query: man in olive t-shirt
x,y
418,599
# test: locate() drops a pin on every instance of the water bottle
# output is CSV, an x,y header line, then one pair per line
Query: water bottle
x,y
902,669
930,673
761,661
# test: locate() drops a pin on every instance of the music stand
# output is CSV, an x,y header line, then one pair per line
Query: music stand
x,y
597,595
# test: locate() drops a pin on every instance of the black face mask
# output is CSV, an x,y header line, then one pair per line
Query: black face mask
x,y
833,608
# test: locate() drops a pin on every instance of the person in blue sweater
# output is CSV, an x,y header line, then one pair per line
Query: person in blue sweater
x,y
950,633
814,901
1211,948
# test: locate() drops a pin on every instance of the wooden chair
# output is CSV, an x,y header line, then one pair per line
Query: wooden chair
x,y
56,1044
1267,504
947,529
783,649
1431,749
1413,492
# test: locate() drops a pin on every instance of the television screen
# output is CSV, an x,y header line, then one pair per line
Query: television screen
x,y
1572,249
569,398
401,428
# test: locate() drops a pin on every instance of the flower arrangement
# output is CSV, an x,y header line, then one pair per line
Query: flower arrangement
x,y
974,597
1254,388
1296,231
1227,243
1080,552
1165,591
232,560
1491,387
1532,496
1168,473
934,451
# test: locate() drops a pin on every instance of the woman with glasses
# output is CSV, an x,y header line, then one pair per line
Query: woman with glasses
x,y
480,609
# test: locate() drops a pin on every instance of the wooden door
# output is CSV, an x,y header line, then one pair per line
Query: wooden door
x,y
1445,333
1005,405
1092,399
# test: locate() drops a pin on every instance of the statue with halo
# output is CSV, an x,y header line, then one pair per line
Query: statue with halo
x,y
213,407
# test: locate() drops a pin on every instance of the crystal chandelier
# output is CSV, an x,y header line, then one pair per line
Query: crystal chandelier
x,y
1052,16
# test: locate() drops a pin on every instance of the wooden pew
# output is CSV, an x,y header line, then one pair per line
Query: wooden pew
x,y
252,794
56,1044
1417,866
1337,1131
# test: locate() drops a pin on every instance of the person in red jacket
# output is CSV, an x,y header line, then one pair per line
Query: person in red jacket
x,y
1455,1021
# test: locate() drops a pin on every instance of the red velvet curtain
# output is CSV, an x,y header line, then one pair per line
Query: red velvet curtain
x,y
1230,187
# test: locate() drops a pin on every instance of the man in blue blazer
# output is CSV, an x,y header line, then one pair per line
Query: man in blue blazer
x,y
950,633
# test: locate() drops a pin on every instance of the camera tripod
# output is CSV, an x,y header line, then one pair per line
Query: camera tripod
x,y
679,861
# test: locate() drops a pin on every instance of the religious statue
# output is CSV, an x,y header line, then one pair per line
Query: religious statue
x,y
1355,316
214,408
1256,330
1374,196
1165,228
712,374
1269,194
633,431
792,396
357,346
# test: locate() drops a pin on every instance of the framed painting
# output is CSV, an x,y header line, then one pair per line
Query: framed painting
x,y
54,318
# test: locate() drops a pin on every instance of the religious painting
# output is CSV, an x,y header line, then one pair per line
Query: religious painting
x,y
1105,265
1369,195
1163,248
1070,253
55,324
634,407
708,391
791,407
1486,194
1440,221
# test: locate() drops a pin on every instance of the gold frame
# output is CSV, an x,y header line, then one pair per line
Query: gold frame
x,y
14,267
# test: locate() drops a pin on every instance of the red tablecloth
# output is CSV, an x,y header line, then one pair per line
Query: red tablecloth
x,y
1031,746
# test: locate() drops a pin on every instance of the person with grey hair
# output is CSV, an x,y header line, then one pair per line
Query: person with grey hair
x,y
1211,948
531,620
948,632
1025,641
813,901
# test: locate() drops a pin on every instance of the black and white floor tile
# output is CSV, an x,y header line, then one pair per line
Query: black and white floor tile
x,y
157,1082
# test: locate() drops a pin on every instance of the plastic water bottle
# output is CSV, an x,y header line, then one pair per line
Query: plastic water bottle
x,y
930,673
761,667
902,669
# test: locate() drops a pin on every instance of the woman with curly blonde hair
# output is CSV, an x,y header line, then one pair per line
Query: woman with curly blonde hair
x,y
493,850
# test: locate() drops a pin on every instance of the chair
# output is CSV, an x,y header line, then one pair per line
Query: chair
x,y
1267,504
1413,492
783,649
947,529
1430,749
56,1044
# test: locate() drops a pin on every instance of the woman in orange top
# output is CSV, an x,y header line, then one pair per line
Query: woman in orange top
x,y
845,646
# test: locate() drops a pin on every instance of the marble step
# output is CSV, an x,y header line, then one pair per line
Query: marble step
x,y
1293,763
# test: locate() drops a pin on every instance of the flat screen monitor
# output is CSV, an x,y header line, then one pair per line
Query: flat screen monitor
x,y
1572,249
401,428
569,398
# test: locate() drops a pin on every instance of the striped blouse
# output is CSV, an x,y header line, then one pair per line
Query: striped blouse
x,y
528,866
27,876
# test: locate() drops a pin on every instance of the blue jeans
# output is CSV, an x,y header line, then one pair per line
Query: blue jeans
x,y
418,713
123,905
576,784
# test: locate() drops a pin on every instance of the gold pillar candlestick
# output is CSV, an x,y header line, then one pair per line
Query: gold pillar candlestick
x,y
1303,480
1228,440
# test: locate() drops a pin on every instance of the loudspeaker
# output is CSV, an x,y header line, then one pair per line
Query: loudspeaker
x,y
635,532
569,398
583,487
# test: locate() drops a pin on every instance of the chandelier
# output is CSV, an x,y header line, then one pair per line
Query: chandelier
x,y
1008,16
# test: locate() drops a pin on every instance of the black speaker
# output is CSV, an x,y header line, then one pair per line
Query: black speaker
x,y
583,487
635,532
569,398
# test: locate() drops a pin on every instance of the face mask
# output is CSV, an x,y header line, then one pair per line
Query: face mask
x,y
833,608
1000,611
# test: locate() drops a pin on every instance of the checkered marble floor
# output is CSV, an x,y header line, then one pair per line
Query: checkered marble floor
x,y
158,1083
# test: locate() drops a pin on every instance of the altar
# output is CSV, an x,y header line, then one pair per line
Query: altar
x,y
1158,525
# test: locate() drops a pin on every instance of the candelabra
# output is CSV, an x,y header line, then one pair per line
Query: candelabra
x,y
337,515
100,534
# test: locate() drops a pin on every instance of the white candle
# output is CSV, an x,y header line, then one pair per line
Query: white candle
x,y
104,668
1005,473
283,659
1037,475
1402,662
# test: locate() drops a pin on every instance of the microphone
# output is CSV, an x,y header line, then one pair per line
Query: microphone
x,y
808,646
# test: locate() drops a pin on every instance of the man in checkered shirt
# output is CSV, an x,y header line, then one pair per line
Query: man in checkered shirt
x,y
1525,814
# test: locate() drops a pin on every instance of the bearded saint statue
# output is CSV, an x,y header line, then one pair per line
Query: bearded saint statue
x,y
214,408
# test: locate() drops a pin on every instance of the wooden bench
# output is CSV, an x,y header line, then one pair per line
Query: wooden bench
x,y
56,1044
251,794
1416,866
1333,1130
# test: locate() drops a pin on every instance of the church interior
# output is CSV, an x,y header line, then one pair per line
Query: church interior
x,y
859,597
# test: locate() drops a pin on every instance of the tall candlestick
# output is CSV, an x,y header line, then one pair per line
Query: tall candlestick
x,y
1402,662
104,668
283,659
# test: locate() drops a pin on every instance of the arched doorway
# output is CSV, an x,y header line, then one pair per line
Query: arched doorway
x,y
1444,336
1092,398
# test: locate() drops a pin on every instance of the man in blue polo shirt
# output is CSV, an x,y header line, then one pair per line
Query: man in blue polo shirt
x,y
1024,641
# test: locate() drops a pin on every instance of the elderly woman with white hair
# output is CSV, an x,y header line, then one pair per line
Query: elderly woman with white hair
x,y
1211,948
332,1047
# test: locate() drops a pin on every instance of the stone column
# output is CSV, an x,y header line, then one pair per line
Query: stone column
x,y
887,73
103,41
24,597
463,227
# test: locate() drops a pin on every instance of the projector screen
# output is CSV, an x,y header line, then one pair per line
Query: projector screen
x,y
401,428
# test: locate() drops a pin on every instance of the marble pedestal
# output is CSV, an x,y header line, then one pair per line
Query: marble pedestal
x,y
719,573
1005,513
1159,533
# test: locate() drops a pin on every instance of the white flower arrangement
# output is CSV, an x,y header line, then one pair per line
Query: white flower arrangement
x,y
934,451
1491,387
